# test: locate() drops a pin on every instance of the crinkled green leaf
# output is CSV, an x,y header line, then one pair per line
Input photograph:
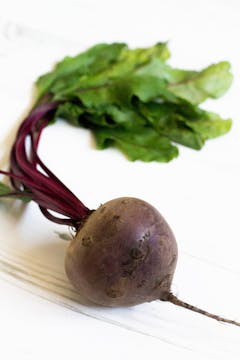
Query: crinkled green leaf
x,y
144,144
160,69
210,125
211,82
107,116
121,92
4,189
92,61
129,62
96,67
194,86
127,117
185,123
70,112
168,120
134,100
148,87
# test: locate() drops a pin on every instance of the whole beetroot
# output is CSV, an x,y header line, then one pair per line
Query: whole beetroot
x,y
125,254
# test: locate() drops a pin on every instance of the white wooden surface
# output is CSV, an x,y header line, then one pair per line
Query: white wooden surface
x,y
41,315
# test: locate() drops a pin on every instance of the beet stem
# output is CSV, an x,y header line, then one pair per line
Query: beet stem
x,y
29,175
174,300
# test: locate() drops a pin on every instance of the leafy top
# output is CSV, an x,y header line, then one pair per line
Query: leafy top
x,y
134,100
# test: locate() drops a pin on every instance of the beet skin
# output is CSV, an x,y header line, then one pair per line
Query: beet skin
x,y
124,254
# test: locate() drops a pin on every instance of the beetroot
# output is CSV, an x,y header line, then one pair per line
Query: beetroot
x,y
124,253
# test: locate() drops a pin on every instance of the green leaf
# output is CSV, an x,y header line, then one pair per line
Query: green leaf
x,y
113,116
121,92
147,87
129,61
160,69
185,123
194,86
70,111
144,144
4,189
210,125
96,66
92,61
132,99
211,82
167,119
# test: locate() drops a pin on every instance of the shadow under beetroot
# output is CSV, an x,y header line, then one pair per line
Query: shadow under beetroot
x,y
50,256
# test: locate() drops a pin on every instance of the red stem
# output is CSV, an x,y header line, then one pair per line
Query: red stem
x,y
29,175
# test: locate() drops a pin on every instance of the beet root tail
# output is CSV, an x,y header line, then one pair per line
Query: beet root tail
x,y
174,300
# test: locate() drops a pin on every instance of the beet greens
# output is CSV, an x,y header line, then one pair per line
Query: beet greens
x,y
134,100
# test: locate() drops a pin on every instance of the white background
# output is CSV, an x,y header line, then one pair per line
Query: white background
x,y
41,316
